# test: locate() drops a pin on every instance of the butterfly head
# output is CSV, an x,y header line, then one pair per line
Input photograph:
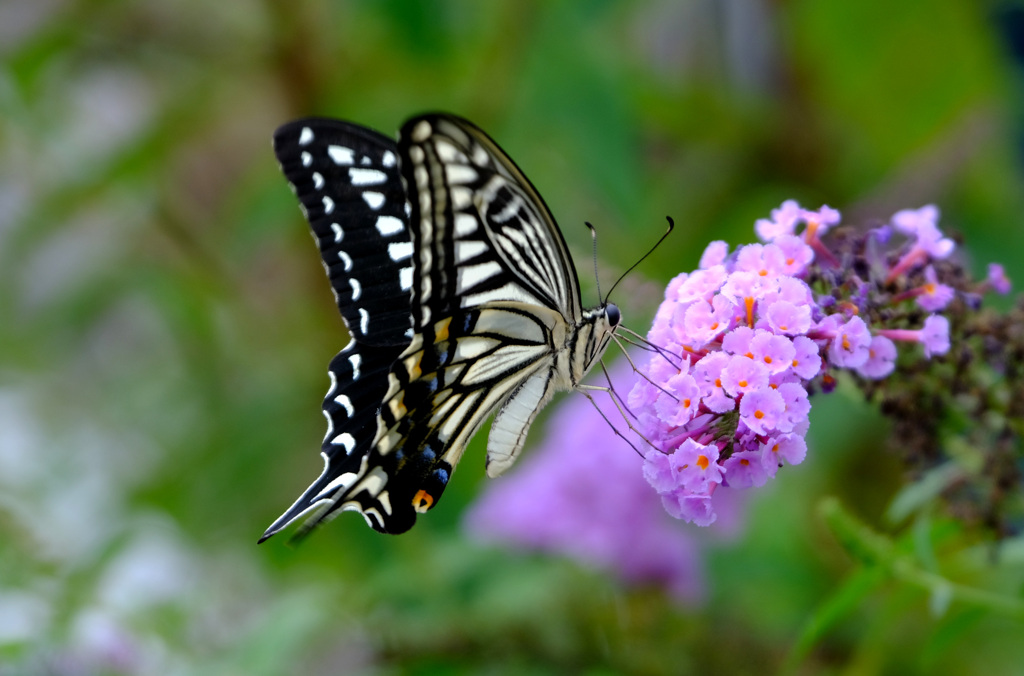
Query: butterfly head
x,y
593,335
607,322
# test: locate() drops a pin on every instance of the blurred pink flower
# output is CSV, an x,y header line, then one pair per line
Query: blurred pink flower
x,y
582,493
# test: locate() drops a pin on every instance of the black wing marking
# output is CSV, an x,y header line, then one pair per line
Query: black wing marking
x,y
347,180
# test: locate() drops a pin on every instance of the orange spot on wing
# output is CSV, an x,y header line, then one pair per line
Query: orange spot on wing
x,y
422,501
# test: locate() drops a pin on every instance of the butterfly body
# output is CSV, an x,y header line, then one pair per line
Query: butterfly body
x,y
476,308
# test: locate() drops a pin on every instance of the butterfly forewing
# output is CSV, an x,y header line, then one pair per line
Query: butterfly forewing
x,y
348,183
347,179
481,231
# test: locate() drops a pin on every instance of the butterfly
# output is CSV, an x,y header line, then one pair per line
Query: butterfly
x,y
460,298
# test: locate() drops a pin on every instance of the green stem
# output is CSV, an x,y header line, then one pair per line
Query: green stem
x,y
873,549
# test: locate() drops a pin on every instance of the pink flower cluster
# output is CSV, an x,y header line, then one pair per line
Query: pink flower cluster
x,y
725,402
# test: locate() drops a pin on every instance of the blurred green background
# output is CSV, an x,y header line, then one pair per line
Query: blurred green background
x,y
165,324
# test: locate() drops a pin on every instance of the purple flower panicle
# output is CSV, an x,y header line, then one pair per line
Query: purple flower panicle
x,y
746,338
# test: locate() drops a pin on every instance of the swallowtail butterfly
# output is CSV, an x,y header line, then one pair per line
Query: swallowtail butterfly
x,y
461,300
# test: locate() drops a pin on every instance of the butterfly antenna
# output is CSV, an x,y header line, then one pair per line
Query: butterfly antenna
x,y
593,236
671,226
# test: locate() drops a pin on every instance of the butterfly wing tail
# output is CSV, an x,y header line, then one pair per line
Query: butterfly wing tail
x,y
319,500
358,384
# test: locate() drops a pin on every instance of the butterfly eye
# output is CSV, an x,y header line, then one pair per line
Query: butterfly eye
x,y
613,314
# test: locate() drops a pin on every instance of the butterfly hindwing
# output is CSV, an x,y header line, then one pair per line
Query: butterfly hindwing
x,y
443,387
347,180
359,378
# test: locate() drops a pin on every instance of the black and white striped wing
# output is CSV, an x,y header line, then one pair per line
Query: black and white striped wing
x,y
494,296
495,313
481,231
348,183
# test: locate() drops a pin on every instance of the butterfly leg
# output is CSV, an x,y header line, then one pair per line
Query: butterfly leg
x,y
639,341
636,370
619,434
616,399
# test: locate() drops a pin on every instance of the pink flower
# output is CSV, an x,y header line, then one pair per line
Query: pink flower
x,y
912,221
806,360
997,278
929,242
708,370
783,221
796,254
881,359
708,374
744,288
751,336
798,408
930,239
792,290
933,296
714,254
763,260
934,335
738,340
849,347
702,284
775,352
762,409
744,375
703,322
658,471
695,466
679,404
673,288
694,508
745,469
785,317
818,222
789,447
